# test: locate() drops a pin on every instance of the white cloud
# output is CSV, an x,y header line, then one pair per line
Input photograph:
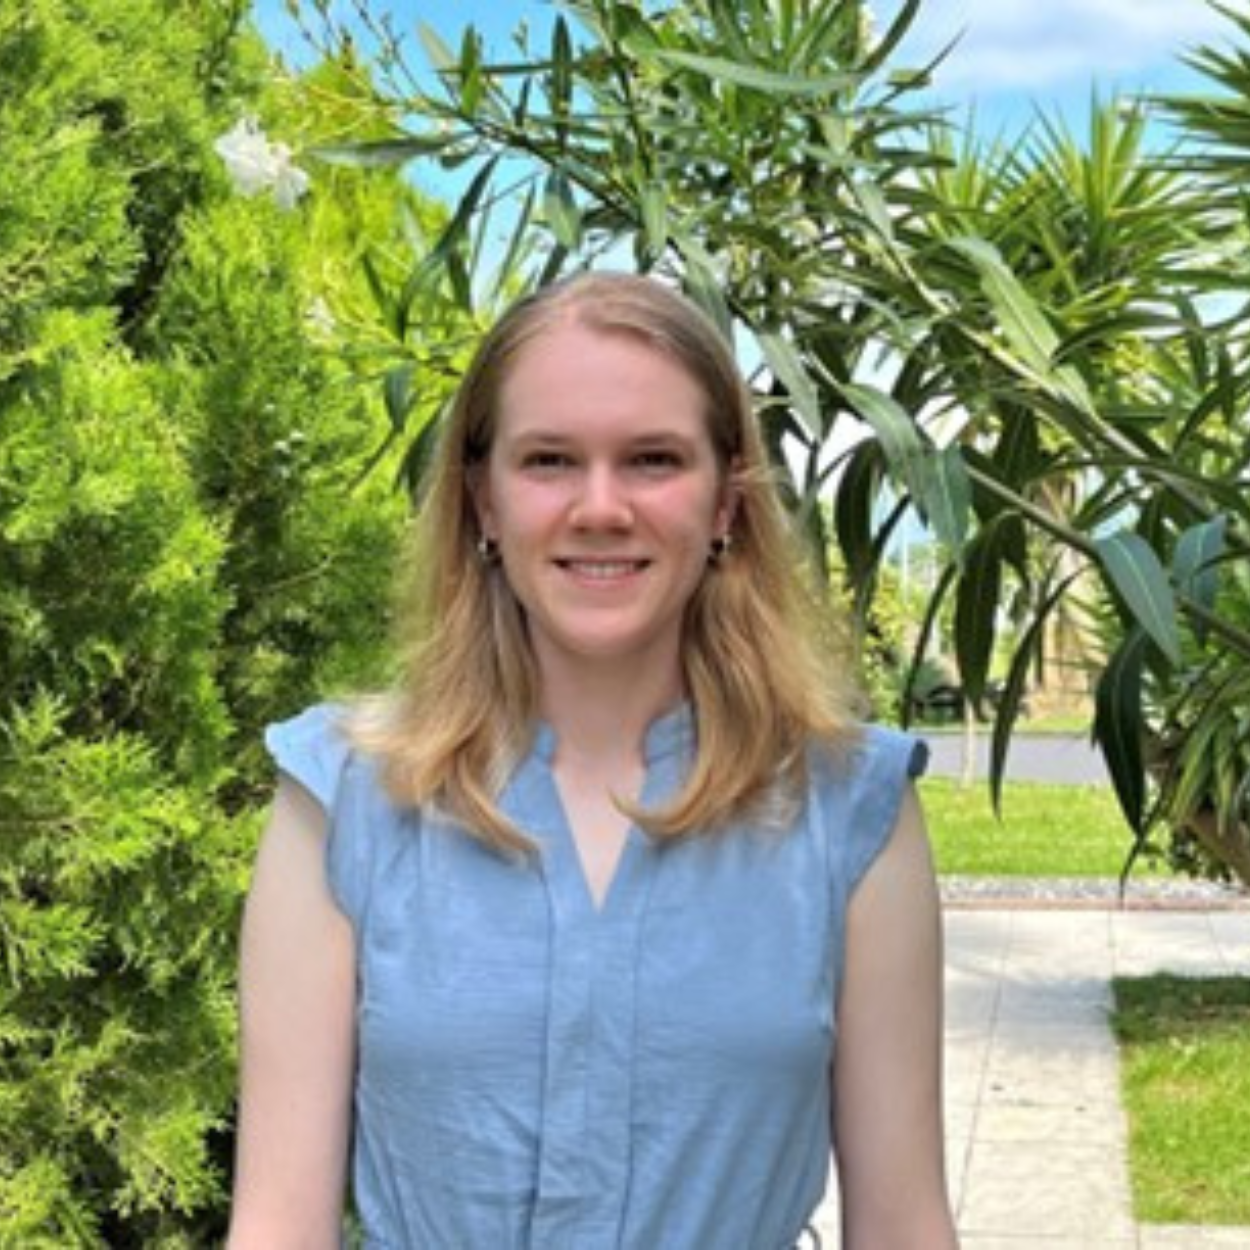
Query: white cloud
x,y
1040,48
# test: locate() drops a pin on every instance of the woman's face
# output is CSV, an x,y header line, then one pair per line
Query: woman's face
x,y
604,494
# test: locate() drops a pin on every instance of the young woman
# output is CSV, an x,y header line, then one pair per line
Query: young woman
x,y
607,924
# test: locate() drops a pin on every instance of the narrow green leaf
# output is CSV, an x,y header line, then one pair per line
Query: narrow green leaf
x,y
976,609
461,279
944,495
457,229
442,258
1015,688
516,252
876,209
823,36
928,626
727,15
629,29
561,69
561,211
1119,726
397,393
653,204
381,293
1022,319
701,279
413,473
754,77
788,368
437,51
889,39
521,106
383,152
1019,456
703,287
899,436
1197,764
854,506
1239,808
1135,571
1195,562
471,84
553,266
937,480
1111,327
1023,322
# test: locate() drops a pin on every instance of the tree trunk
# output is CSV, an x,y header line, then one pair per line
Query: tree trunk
x,y
968,763
1230,847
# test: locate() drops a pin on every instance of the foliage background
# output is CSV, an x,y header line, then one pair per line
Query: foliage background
x,y
190,546
212,413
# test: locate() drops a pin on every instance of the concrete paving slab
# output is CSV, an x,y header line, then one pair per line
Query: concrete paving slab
x,y
1033,1242
1036,1137
1068,1125
1182,943
1192,1237
1038,1188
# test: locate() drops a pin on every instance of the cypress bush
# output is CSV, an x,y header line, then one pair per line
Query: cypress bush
x,y
190,545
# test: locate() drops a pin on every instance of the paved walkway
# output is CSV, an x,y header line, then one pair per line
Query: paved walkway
x,y
1060,759
1036,1136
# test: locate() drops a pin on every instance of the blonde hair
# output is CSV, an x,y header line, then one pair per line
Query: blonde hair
x,y
762,681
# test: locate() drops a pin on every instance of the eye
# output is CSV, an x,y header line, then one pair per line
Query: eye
x,y
545,460
657,460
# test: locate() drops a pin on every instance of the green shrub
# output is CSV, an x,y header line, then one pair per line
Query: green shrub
x,y
120,893
190,545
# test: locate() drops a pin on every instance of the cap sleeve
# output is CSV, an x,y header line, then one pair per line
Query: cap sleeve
x,y
312,749
884,763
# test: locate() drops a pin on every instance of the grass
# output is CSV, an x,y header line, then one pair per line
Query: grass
x,y
1185,1073
1046,830
1184,1042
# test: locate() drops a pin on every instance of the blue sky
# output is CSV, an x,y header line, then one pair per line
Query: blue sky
x,y
1012,56
1015,56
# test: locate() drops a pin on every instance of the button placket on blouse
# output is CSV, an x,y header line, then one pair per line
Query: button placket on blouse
x,y
585,1153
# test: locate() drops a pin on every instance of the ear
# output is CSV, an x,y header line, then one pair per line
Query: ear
x,y
477,483
730,499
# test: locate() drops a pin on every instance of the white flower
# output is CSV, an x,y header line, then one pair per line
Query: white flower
x,y
255,165
290,181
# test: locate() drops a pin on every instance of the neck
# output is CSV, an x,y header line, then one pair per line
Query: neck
x,y
603,711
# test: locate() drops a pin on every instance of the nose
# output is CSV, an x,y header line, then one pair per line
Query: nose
x,y
602,501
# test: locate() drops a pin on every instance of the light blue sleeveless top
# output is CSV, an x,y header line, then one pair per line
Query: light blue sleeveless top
x,y
538,1073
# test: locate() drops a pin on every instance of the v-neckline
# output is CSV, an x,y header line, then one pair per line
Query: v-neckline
x,y
666,735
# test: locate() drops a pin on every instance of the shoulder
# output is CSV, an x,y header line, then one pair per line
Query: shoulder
x,y
313,749
861,789
868,757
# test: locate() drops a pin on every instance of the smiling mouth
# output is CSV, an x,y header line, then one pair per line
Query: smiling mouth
x,y
602,570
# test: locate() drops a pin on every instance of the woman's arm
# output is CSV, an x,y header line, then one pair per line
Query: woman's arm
x,y
297,1004
888,1066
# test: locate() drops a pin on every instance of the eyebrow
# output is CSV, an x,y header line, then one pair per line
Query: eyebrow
x,y
647,438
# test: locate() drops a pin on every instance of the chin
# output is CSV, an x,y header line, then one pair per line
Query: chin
x,y
605,648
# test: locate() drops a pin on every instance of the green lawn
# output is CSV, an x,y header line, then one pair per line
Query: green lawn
x,y
1185,1073
1184,1043
1045,831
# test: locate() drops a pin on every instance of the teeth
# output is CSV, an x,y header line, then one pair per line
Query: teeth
x,y
604,569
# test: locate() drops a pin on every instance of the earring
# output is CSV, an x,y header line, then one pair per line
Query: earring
x,y
487,550
720,548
